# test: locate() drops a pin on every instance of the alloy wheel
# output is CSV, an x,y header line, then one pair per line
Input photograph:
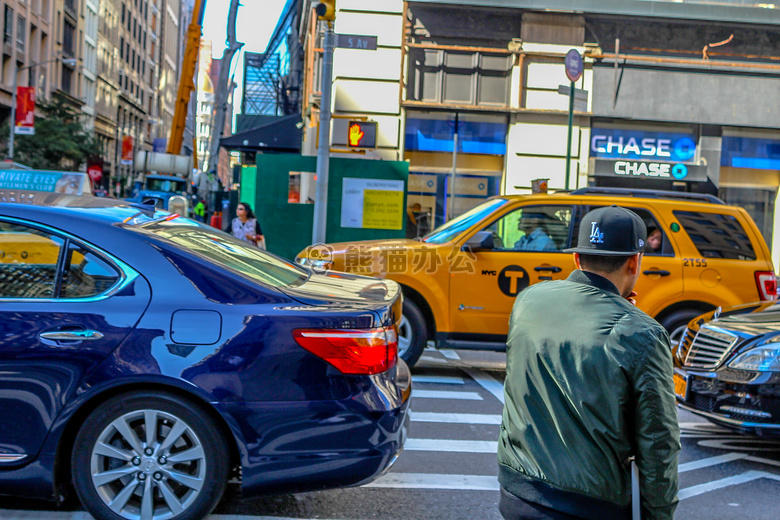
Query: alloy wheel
x,y
148,465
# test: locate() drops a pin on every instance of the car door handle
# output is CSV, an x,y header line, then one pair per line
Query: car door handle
x,y
658,272
72,335
550,268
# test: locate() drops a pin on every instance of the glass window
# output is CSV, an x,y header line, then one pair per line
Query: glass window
x,y
449,230
758,202
28,262
86,274
225,251
534,228
716,235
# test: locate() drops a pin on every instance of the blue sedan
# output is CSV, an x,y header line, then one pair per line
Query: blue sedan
x,y
146,359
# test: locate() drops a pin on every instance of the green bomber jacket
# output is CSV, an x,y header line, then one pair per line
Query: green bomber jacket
x,y
588,385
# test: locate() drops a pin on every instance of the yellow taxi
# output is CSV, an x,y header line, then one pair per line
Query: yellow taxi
x,y
461,280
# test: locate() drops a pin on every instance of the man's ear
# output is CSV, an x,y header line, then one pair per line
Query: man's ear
x,y
634,263
577,260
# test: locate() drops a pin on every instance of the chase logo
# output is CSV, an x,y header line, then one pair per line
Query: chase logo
x,y
596,236
679,171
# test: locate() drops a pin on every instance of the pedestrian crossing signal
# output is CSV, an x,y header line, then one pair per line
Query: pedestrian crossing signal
x,y
326,10
361,134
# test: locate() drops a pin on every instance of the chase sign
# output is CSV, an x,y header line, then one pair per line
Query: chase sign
x,y
649,155
614,143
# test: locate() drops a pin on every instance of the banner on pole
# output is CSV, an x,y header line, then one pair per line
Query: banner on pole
x,y
127,150
25,111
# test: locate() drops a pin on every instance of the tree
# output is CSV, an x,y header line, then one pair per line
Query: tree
x,y
60,142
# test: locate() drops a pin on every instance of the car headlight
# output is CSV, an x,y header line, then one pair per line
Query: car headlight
x,y
759,359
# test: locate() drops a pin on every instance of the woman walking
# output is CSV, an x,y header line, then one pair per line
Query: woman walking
x,y
246,227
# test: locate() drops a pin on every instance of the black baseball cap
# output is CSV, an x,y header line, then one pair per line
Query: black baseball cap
x,y
611,231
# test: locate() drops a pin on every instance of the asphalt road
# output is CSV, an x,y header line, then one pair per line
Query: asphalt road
x,y
448,469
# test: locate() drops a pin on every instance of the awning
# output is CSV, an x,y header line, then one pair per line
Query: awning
x,y
283,134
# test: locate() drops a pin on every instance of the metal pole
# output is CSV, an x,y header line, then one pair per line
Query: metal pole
x,y
451,206
568,140
13,113
323,150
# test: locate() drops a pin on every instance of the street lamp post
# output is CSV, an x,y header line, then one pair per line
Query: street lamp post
x,y
68,61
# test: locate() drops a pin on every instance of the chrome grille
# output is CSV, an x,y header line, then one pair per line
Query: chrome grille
x,y
709,348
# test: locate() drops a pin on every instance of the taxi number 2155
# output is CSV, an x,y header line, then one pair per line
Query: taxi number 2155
x,y
694,262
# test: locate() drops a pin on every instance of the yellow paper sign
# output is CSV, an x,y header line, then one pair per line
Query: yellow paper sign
x,y
383,209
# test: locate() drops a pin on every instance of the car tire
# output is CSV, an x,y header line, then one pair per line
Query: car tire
x,y
412,333
120,472
676,322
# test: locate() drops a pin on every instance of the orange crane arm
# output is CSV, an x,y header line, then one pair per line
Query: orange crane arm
x,y
186,79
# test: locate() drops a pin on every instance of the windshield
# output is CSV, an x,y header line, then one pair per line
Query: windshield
x,y
449,230
165,185
226,251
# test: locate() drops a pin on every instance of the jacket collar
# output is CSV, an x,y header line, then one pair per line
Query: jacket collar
x,y
594,280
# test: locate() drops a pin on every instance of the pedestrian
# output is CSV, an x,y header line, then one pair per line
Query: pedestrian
x,y
588,386
199,211
246,227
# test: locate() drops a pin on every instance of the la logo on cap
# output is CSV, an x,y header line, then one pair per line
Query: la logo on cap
x,y
596,236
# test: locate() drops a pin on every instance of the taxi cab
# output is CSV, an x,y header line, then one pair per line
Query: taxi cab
x,y
460,280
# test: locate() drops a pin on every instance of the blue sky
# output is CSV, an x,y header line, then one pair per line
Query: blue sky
x,y
256,22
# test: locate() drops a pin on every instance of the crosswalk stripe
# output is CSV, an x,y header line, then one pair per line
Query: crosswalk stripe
x,y
429,359
455,418
710,461
487,382
446,394
452,446
436,481
444,380
722,483
449,354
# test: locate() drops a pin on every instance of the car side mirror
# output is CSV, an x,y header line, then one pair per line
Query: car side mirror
x,y
481,241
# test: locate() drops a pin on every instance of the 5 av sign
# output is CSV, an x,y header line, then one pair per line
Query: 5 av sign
x,y
356,41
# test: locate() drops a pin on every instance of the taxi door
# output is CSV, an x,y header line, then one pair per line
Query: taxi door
x,y
484,284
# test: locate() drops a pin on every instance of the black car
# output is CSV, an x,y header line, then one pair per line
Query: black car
x,y
728,368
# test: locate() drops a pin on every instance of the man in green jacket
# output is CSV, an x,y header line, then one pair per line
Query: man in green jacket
x,y
588,386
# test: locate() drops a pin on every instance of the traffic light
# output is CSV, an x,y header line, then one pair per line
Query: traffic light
x,y
361,134
326,10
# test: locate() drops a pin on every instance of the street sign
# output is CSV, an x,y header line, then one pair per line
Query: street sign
x,y
356,41
579,94
573,64
361,134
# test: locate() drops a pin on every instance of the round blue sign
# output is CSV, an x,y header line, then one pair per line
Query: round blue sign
x,y
481,186
574,66
684,149
430,184
679,171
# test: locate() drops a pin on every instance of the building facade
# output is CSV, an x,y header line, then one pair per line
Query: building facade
x,y
673,95
28,35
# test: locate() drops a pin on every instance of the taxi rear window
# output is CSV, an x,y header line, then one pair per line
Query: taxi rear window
x,y
716,235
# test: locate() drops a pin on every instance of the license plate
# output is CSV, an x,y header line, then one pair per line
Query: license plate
x,y
681,386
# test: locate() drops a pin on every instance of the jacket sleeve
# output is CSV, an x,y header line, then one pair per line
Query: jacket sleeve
x,y
657,433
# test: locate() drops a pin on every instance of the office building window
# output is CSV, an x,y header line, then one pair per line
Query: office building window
x,y
67,38
8,24
21,28
442,76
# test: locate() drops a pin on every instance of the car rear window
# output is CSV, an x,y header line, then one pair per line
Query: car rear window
x,y
716,235
221,249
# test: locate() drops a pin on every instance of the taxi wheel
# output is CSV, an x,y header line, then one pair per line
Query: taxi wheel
x,y
412,333
676,322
